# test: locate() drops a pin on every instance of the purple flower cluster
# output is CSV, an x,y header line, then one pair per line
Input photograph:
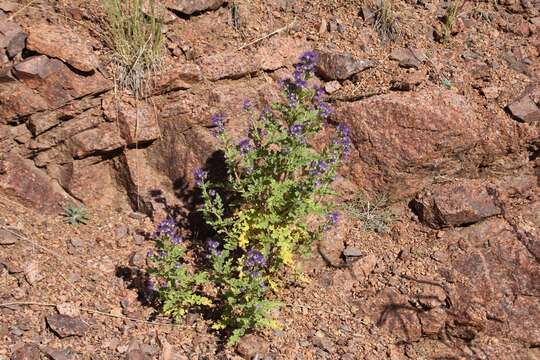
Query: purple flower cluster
x,y
304,68
169,228
247,105
213,247
296,130
218,120
255,259
343,140
200,176
334,217
244,146
318,168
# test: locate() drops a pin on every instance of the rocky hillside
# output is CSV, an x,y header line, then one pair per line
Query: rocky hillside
x,y
444,120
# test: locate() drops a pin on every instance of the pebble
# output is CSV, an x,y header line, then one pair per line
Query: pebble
x,y
76,242
64,325
251,345
138,239
351,251
7,237
121,231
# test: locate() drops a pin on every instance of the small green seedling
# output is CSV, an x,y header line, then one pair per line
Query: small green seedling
x,y
76,215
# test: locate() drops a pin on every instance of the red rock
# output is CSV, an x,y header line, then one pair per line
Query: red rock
x,y
190,7
65,326
27,352
460,203
250,346
394,134
432,321
137,120
104,138
18,100
180,77
340,66
524,109
61,43
276,53
30,185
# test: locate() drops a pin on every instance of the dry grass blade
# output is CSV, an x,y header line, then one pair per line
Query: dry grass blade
x,y
133,33
450,18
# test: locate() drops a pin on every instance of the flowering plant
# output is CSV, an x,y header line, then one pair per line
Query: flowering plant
x,y
276,180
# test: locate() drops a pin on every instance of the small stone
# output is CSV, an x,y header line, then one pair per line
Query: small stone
x,y
251,345
59,354
137,216
332,86
76,242
121,231
323,27
340,66
9,6
135,354
138,239
64,326
32,272
122,348
351,251
364,266
7,237
69,309
408,58
323,342
137,259
525,110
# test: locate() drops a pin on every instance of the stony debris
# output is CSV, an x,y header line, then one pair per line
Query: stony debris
x,y
69,309
61,43
340,66
60,354
64,325
460,203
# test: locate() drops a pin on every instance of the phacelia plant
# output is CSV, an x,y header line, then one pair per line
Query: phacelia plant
x,y
276,181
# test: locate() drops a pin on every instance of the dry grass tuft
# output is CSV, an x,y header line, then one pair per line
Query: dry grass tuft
x,y
372,212
134,35
450,17
385,20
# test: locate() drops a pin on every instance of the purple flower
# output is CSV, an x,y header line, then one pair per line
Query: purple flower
x,y
255,259
343,141
244,147
324,109
212,192
200,176
169,228
334,217
319,92
218,120
213,247
149,253
296,130
150,286
247,105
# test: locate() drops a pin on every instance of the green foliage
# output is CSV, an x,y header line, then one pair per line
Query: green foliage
x,y
276,181
372,213
76,215
134,35
446,83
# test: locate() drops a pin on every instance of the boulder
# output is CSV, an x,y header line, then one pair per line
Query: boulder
x,y
459,203
402,140
61,43
31,186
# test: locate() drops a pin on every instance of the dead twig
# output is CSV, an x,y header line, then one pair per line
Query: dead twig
x,y
87,310
286,27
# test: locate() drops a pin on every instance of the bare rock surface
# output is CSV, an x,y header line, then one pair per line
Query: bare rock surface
x,y
340,66
62,43
65,326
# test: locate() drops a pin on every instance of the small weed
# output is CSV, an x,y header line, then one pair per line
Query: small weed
x,y
76,215
134,36
385,20
450,17
446,83
373,215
